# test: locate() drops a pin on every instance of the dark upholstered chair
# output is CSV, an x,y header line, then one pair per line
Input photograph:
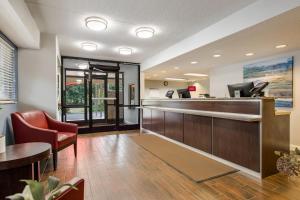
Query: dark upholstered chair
x,y
38,126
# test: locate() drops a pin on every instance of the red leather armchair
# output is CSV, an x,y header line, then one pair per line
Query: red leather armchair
x,y
38,126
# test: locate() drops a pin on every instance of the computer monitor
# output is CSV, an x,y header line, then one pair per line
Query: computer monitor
x,y
243,88
169,94
184,93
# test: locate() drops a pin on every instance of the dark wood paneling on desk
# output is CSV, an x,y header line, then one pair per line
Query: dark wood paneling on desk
x,y
158,122
174,126
147,119
198,132
245,107
237,142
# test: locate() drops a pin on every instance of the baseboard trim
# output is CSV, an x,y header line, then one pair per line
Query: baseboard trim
x,y
238,167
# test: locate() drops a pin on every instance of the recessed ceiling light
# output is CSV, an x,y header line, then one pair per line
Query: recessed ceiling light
x,y
89,46
281,46
83,66
176,79
194,62
125,51
176,68
96,23
249,54
145,32
216,55
195,74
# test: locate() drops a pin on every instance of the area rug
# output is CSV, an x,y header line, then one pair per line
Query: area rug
x,y
194,165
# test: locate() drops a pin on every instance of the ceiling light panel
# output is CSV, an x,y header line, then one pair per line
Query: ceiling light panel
x,y
195,74
89,46
125,51
145,32
96,23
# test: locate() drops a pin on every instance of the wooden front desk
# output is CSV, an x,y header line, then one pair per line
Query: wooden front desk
x,y
245,132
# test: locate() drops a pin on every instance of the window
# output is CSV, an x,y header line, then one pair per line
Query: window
x,y
8,57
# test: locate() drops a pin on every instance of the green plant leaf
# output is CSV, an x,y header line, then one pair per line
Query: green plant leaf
x,y
17,196
36,188
53,183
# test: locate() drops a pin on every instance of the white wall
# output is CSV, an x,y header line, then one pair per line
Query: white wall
x,y
37,75
202,87
220,77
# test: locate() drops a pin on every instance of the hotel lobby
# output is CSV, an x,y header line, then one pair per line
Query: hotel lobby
x,y
149,99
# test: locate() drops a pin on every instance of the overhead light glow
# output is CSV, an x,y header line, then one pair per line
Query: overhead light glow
x,y
194,62
176,79
195,74
125,51
281,46
89,46
145,32
217,55
249,54
83,66
96,23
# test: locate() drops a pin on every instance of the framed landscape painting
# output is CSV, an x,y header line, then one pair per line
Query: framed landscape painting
x,y
279,73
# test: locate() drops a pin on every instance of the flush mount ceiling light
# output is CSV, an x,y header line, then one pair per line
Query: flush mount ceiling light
x,y
195,74
249,54
281,46
194,62
83,66
96,23
145,32
125,51
216,55
89,46
175,79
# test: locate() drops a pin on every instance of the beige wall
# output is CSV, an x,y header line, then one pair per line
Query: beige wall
x,y
156,88
37,76
220,77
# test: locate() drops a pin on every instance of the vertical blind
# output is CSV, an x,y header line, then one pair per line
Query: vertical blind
x,y
7,71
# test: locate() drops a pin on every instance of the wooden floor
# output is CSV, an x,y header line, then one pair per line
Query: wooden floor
x,y
114,167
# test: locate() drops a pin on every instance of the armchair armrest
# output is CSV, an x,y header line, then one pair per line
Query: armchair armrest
x,y
24,132
61,126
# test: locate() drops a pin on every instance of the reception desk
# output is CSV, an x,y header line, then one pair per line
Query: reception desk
x,y
243,131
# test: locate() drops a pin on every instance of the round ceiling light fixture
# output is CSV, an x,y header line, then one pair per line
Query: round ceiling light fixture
x,y
145,32
125,51
96,23
89,46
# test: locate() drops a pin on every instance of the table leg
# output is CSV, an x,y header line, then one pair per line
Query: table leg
x,y
37,171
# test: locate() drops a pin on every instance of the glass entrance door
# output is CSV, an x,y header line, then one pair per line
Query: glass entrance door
x,y
100,95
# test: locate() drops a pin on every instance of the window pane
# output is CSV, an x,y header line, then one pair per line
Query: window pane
x,y
7,71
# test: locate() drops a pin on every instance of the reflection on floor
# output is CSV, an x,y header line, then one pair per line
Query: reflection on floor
x,y
114,167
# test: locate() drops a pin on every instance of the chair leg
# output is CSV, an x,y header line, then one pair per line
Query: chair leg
x,y
75,149
54,160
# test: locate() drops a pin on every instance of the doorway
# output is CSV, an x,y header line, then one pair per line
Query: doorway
x,y
94,97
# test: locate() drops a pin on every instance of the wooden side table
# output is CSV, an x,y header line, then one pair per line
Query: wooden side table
x,y
20,161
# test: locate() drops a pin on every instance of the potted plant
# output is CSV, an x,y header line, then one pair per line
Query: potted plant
x,y
35,190
288,163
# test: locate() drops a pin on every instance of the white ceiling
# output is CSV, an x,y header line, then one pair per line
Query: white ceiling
x,y
260,39
174,20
